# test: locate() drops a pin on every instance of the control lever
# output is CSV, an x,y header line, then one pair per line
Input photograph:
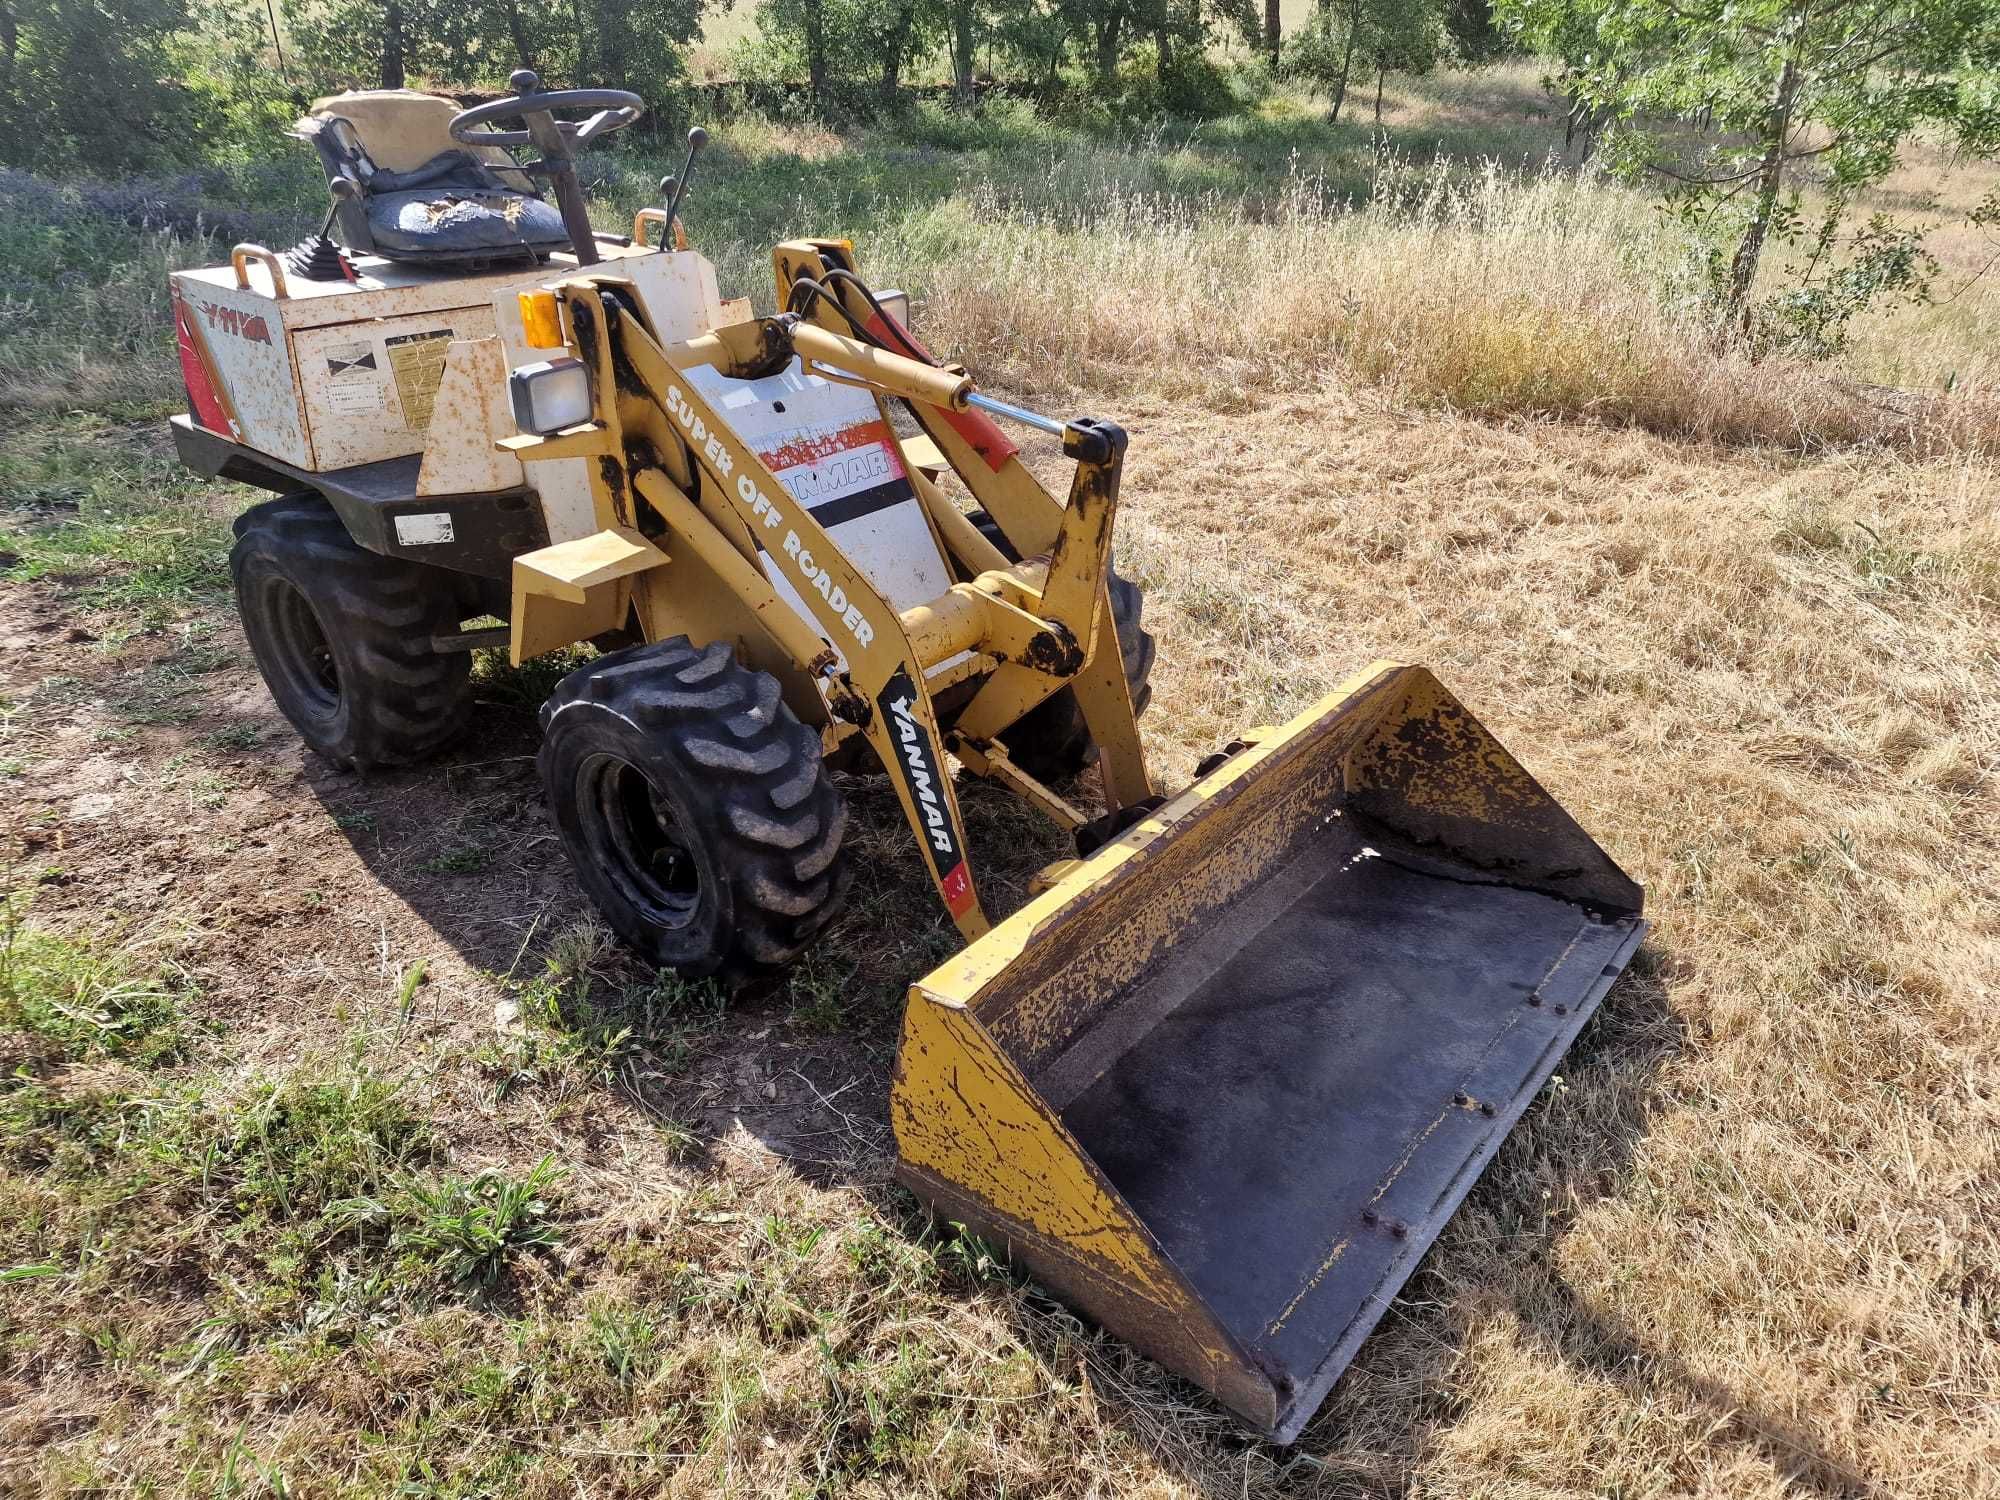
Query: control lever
x,y
675,189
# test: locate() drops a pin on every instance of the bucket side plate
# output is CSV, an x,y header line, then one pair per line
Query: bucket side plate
x,y
1283,1025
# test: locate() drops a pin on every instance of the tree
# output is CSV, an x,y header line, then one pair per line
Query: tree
x,y
632,44
1801,93
1391,36
91,83
963,23
893,30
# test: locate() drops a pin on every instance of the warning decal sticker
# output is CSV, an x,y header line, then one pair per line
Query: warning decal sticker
x,y
350,359
418,362
354,385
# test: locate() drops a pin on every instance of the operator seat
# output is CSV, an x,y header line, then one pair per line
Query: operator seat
x,y
419,196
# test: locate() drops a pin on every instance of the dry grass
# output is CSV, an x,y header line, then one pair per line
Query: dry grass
x,y
1747,1246
1476,291
1750,1247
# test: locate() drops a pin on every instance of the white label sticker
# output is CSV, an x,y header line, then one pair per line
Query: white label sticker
x,y
354,398
425,530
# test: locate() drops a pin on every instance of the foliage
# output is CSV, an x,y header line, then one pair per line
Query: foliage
x,y
1800,106
94,81
631,44
468,1231
1381,36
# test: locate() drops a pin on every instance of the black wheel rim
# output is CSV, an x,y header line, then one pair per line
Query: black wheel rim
x,y
304,656
637,841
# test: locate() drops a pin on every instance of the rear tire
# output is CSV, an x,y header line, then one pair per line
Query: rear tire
x,y
1051,741
697,810
343,636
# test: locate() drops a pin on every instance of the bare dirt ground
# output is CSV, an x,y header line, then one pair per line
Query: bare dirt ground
x,y
1746,1246
170,802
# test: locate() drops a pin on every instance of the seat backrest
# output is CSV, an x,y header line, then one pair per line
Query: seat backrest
x,y
399,130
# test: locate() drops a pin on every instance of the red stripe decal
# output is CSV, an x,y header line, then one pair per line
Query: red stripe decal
x,y
817,447
208,409
957,888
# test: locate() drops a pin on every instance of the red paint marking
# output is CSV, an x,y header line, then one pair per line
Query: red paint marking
x,y
238,324
957,888
822,446
978,429
208,408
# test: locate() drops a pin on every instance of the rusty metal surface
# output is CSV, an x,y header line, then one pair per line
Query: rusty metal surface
x,y
242,337
468,418
1285,1022
1311,1093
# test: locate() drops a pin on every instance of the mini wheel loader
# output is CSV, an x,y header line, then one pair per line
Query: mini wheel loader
x,y
1222,1081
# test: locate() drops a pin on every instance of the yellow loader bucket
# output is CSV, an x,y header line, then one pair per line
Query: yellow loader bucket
x,y
1223,1084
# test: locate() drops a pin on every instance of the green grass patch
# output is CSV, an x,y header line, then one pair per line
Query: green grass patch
x,y
80,1000
117,525
467,1231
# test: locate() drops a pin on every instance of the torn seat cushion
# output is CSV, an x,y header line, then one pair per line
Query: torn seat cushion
x,y
455,206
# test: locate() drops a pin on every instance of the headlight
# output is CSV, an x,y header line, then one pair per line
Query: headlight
x,y
550,396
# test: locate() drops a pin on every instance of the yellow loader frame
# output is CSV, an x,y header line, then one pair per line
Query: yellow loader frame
x,y
1032,627
1224,1080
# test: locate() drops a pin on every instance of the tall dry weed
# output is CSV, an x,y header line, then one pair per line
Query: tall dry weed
x,y
1486,293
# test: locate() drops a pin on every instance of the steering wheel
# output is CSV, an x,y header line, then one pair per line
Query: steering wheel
x,y
616,108
557,140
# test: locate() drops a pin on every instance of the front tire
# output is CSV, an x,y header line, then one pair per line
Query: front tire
x,y
1051,741
343,636
696,809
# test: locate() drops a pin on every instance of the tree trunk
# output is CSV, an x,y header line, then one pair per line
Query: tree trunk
x,y
1346,62
895,46
1770,178
1163,58
961,51
524,55
1380,70
393,73
1109,25
815,21
1273,27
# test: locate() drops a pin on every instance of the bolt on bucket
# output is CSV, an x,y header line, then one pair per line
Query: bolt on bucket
x,y
1223,1084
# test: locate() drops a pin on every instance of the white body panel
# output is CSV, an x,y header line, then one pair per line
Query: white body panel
x,y
463,456
246,343
830,447
337,373
370,388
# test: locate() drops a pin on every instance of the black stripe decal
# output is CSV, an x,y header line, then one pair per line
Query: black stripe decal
x,y
862,502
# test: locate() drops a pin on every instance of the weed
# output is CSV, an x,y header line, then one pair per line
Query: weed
x,y
234,737
820,985
527,686
412,979
629,1338
81,999
300,1146
462,859
468,1231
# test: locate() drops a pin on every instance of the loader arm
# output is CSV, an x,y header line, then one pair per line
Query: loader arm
x,y
653,431
988,463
